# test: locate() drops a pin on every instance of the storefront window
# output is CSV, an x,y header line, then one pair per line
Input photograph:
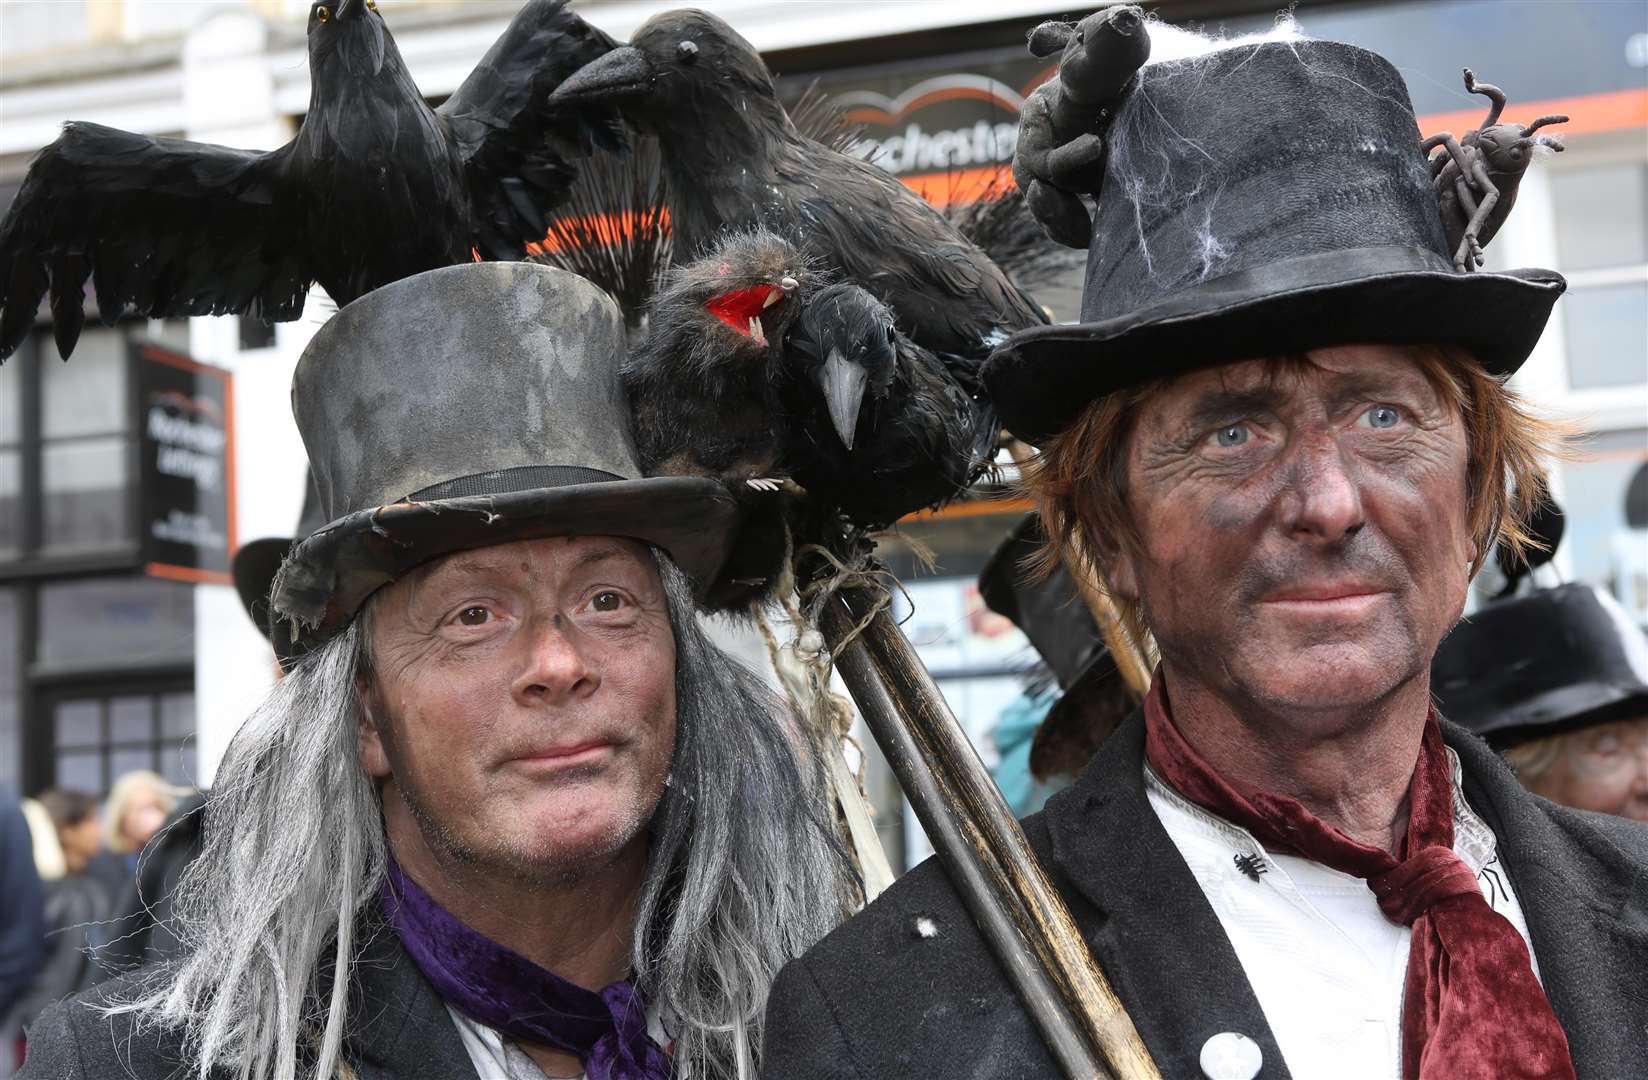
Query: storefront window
x,y
11,459
1602,238
84,450
115,621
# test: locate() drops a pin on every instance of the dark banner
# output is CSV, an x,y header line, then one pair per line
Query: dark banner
x,y
186,462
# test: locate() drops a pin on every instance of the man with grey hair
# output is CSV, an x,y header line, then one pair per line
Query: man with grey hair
x,y
510,814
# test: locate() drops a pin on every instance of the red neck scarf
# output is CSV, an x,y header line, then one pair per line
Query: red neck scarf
x,y
1471,1007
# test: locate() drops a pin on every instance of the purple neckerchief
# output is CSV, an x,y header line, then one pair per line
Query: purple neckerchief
x,y
509,993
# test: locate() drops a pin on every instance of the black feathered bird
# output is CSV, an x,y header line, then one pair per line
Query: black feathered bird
x,y
887,429
734,160
704,381
376,185
756,371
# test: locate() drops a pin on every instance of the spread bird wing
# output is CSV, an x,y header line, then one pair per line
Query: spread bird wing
x,y
517,151
165,227
945,291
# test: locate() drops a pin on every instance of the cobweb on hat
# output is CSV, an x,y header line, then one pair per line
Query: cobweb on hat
x,y
1149,177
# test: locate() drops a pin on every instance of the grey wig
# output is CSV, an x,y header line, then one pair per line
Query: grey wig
x,y
744,870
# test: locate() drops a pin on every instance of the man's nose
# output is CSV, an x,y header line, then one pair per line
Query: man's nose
x,y
1324,500
557,667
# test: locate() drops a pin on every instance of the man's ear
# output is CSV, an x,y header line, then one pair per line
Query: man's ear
x,y
369,735
1120,573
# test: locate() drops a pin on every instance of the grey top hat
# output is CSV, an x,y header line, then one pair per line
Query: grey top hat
x,y
1258,200
470,406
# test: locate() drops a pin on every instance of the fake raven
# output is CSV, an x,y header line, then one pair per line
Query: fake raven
x,y
734,160
802,397
902,433
703,383
375,186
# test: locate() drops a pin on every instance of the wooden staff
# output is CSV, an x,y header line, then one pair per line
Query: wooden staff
x,y
981,845
1131,659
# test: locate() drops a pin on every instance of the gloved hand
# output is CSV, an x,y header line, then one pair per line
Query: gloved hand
x,y
1060,154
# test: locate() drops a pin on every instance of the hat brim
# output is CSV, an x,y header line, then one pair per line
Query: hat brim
x,y
330,574
253,568
1565,708
1040,379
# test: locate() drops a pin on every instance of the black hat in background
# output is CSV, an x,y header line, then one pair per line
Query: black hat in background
x,y
469,406
1052,615
256,562
1554,660
1261,199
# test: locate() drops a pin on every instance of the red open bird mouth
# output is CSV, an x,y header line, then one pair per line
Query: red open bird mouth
x,y
742,310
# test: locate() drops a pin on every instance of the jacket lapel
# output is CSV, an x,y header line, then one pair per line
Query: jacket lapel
x,y
1144,915
402,1030
1586,903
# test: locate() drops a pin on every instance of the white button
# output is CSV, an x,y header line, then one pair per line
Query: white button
x,y
1231,1055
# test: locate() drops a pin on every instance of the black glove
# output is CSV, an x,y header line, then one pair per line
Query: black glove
x,y
1060,154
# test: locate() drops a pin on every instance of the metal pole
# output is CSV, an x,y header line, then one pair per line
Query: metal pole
x,y
982,847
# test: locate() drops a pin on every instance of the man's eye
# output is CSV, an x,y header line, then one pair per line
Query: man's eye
x,y
1381,416
1234,435
474,616
607,600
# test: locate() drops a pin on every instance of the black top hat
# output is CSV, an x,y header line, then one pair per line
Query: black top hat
x,y
1051,613
257,561
1551,661
1257,200
470,406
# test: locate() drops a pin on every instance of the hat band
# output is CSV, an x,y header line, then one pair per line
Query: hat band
x,y
509,481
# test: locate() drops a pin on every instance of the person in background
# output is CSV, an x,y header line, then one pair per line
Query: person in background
x,y
143,925
1074,698
134,811
1557,681
22,919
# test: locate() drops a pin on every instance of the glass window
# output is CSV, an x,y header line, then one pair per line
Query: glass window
x,y
81,770
11,737
11,500
11,407
86,395
177,763
85,493
1601,215
177,715
79,724
131,719
1607,335
115,621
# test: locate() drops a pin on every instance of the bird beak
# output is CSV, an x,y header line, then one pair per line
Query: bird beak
x,y
843,386
622,73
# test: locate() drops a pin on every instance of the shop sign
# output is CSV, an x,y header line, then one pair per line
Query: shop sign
x,y
186,465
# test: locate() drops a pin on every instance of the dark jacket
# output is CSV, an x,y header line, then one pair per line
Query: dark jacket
x,y
877,1001
74,905
22,905
399,1028
142,926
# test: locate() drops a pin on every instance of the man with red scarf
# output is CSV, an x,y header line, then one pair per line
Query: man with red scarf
x,y
1281,437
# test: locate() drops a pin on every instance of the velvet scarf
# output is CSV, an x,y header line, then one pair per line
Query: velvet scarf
x,y
1472,1008
509,993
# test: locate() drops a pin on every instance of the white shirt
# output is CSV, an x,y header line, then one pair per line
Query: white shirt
x,y
497,1057
1326,965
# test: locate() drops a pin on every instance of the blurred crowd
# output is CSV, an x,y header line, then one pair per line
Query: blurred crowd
x,y
86,886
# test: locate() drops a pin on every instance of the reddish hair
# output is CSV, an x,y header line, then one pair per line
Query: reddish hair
x,y
1079,479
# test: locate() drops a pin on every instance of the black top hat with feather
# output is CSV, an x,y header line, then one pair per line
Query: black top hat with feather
x,y
1259,199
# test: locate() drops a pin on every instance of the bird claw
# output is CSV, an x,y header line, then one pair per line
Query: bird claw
x,y
763,483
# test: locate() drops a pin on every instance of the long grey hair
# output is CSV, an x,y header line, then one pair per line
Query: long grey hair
x,y
744,870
